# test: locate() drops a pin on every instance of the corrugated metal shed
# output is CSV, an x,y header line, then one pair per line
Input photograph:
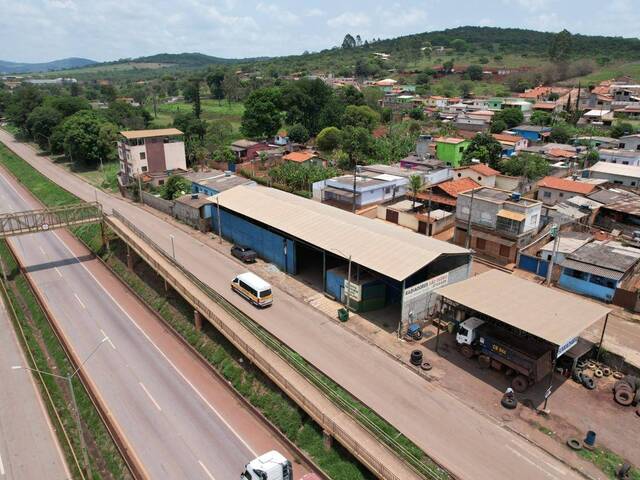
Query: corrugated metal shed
x,y
546,313
594,269
378,246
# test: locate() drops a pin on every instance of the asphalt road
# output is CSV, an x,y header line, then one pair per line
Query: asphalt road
x,y
29,448
179,420
469,444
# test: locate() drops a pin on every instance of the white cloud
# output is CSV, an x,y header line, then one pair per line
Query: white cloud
x,y
314,12
279,14
408,18
349,19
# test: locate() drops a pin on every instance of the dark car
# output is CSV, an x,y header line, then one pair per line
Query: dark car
x,y
244,253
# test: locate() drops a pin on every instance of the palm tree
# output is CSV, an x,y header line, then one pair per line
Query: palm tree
x,y
415,184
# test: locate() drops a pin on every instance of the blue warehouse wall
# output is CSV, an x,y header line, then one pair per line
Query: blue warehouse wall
x,y
268,245
587,286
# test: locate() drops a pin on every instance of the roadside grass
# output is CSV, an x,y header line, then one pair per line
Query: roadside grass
x,y
107,178
608,462
49,356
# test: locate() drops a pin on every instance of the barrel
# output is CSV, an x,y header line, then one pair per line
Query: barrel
x,y
590,439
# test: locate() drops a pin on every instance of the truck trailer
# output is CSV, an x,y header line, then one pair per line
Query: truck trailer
x,y
531,360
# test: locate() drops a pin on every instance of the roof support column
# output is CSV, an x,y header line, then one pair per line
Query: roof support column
x,y
604,327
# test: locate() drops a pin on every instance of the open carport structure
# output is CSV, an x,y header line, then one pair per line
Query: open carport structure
x,y
378,263
523,307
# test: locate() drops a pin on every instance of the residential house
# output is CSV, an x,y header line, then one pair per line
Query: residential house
x,y
495,103
622,215
405,214
548,107
466,122
524,106
511,144
282,138
631,112
480,173
437,101
445,195
501,222
597,142
552,190
247,149
533,133
597,117
150,153
627,175
213,182
429,175
598,268
623,157
306,157
568,243
451,150
629,142
194,209
536,94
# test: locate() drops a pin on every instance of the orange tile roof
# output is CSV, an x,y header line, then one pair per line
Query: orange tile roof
x,y
299,157
558,152
505,137
483,169
454,187
544,106
565,185
380,131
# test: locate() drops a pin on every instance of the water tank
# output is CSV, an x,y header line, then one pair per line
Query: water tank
x,y
515,196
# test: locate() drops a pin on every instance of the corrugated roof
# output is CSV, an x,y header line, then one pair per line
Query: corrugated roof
x,y
454,187
160,132
594,269
565,185
616,169
378,246
546,313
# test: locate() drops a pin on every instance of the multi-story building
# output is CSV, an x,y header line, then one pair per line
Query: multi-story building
x,y
501,222
150,152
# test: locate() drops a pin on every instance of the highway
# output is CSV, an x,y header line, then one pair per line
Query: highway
x,y
29,448
178,419
466,442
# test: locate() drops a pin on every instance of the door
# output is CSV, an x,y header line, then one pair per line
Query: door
x,y
392,216
422,227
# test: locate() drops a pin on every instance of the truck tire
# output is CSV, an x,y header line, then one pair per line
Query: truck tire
x,y
520,383
606,371
416,357
636,399
574,444
509,402
467,351
588,382
484,361
624,397
619,384
598,373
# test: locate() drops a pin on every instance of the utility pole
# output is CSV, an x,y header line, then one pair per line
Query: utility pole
x,y
219,220
353,204
467,242
555,230
429,214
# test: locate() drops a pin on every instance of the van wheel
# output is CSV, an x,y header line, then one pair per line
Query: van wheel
x,y
520,383
467,351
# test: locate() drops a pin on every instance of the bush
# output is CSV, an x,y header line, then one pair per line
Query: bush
x,y
329,139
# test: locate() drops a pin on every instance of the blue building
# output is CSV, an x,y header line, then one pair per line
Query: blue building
x,y
597,269
390,266
533,133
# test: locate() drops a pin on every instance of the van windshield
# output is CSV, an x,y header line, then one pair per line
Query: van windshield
x,y
265,293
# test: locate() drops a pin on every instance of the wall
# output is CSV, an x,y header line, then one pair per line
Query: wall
x,y
505,182
585,287
175,156
268,245
483,212
155,154
438,176
554,196
533,264
617,179
165,206
191,216
477,177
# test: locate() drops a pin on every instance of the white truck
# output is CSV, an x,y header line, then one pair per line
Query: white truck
x,y
272,466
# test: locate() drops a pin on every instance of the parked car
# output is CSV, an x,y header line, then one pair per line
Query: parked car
x,y
244,253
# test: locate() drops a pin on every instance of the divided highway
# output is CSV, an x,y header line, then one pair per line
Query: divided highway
x,y
177,418
467,443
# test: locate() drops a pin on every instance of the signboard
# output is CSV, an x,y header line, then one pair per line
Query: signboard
x,y
427,286
355,291
547,394
567,346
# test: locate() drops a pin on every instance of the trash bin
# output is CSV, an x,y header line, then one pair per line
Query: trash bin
x,y
343,314
590,439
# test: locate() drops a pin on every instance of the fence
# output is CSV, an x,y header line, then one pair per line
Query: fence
x,y
165,206
424,469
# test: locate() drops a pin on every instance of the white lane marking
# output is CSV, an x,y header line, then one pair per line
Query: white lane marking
x,y
79,301
187,381
58,271
108,339
527,459
2,466
42,250
206,470
150,397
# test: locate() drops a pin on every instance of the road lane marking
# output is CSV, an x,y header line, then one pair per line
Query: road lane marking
x,y
206,470
58,271
42,250
186,380
150,397
79,301
528,460
108,339
2,466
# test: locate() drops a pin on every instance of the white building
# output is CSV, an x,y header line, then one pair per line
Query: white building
x,y
623,157
627,175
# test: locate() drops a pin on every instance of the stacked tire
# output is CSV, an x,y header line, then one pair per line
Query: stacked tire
x,y
627,391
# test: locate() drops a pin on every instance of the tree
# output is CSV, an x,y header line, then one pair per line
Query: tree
x,y
329,139
560,47
415,184
465,89
21,103
127,116
41,123
526,165
361,116
350,95
459,45
512,117
66,104
75,90
88,138
485,148
191,92
174,187
542,119
387,115
355,142
298,133
349,41
621,129
231,87
108,93
474,72
416,113
560,133
140,95
261,116
448,66
219,133
498,126
214,80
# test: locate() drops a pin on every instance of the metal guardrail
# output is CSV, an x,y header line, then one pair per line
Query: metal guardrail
x,y
426,470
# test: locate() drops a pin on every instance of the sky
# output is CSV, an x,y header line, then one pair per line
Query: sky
x,y
102,30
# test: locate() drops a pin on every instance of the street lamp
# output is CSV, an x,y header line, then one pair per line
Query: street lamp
x,y
69,378
173,246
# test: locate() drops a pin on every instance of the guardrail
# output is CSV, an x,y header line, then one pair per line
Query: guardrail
x,y
422,468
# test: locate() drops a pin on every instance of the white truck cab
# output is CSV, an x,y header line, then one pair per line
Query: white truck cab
x,y
269,466
468,331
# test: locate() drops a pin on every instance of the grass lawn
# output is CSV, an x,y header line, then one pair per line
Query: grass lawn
x,y
608,72
106,179
211,110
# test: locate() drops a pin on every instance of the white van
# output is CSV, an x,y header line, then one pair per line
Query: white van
x,y
253,288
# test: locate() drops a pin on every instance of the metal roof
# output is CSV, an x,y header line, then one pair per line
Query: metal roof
x,y
616,169
546,313
594,269
160,132
611,256
378,246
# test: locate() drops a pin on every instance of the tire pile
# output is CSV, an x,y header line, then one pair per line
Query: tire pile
x,y
626,392
587,373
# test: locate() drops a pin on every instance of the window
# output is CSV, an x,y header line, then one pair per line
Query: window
x,y
143,156
624,162
546,194
561,194
160,182
576,274
459,175
481,243
461,149
534,219
504,251
633,184
479,179
387,190
144,168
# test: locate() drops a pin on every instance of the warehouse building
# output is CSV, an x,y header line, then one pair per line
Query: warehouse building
x,y
389,266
